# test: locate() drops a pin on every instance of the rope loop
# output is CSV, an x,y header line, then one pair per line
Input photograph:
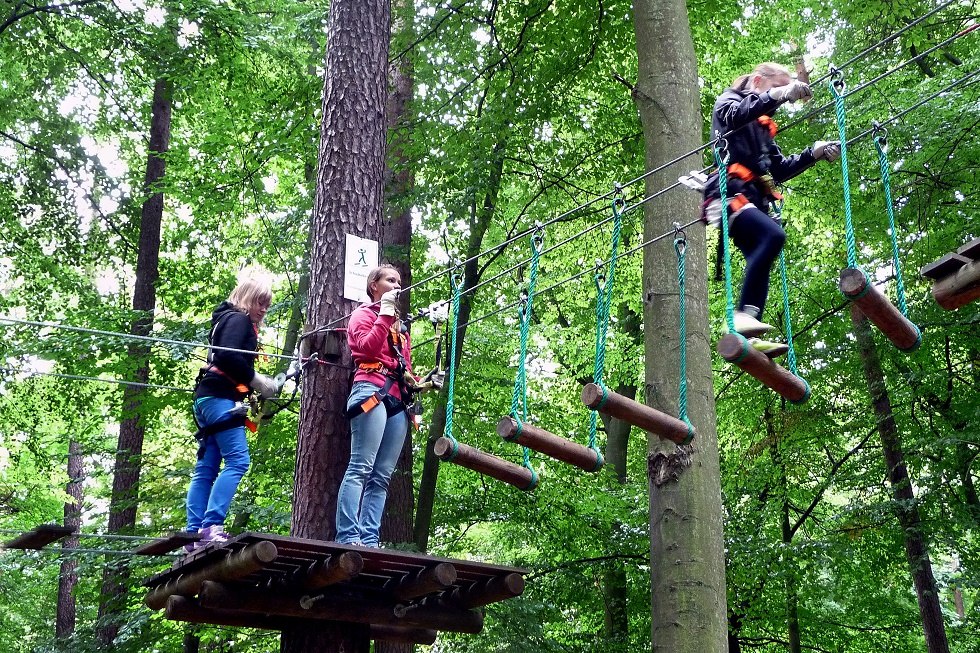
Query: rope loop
x,y
837,84
879,134
722,155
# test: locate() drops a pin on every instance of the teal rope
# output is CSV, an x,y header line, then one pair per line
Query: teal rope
x,y
454,282
791,354
837,85
722,163
680,246
880,144
518,403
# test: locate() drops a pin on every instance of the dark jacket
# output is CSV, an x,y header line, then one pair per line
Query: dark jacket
x,y
752,145
230,327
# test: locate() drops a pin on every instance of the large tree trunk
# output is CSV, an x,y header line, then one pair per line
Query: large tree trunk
x,y
687,565
68,576
125,481
349,199
916,548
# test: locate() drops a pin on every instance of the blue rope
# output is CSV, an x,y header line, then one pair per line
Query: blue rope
x,y
881,144
680,246
518,404
836,89
454,282
721,160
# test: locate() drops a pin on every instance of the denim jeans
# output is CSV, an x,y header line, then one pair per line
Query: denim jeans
x,y
375,444
760,238
211,492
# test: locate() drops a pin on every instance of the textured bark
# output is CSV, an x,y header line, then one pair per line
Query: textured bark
x,y
916,547
125,480
687,565
68,576
786,528
349,199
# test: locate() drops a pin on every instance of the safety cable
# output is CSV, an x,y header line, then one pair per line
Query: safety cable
x,y
76,377
72,551
84,536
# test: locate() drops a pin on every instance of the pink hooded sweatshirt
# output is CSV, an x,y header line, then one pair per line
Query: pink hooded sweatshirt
x,y
367,337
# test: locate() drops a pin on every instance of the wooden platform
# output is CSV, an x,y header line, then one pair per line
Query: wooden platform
x,y
273,581
956,276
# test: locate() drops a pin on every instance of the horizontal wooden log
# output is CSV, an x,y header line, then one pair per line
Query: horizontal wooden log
x,y
334,569
959,289
549,444
424,581
39,537
639,415
181,608
233,566
735,349
856,286
340,607
171,542
485,592
451,451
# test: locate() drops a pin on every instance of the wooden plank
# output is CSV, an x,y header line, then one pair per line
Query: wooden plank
x,y
971,250
943,267
171,542
40,537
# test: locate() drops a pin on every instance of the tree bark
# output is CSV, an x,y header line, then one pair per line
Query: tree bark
x,y
68,576
687,565
349,199
125,480
916,547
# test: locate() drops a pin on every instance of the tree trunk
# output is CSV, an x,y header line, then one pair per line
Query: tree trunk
x,y
125,481
68,577
687,565
349,199
792,596
916,547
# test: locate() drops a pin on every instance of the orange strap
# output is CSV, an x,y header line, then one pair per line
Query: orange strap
x,y
374,366
737,203
740,171
241,387
769,124
766,182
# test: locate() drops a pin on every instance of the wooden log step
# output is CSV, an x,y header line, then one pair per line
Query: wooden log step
x,y
484,592
735,349
640,415
171,542
451,451
333,569
943,267
342,607
856,286
424,581
181,608
550,444
39,537
233,566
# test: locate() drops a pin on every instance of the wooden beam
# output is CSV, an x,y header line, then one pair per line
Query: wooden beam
x,y
640,415
171,542
484,592
40,537
424,581
181,608
549,444
233,566
343,607
735,349
943,267
856,286
451,451
959,289
330,571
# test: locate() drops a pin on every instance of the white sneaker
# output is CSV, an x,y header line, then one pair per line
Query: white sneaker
x,y
213,535
750,327
770,349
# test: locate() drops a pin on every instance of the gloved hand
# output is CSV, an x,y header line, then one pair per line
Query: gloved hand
x,y
264,385
826,151
410,379
389,303
438,380
795,90
439,312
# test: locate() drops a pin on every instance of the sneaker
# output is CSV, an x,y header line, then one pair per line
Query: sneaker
x,y
213,535
749,326
770,349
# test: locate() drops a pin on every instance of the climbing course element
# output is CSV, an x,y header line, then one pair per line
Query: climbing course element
x,y
854,282
450,450
956,276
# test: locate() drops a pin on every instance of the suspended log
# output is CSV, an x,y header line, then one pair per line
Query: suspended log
x,y
451,451
550,444
181,608
335,569
640,415
349,608
40,537
233,566
424,581
735,349
171,542
856,286
484,592
956,276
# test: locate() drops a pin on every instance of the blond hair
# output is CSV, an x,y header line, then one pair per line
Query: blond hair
x,y
765,69
376,274
250,294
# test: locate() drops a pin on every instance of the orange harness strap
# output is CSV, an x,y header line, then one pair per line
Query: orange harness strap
x,y
769,124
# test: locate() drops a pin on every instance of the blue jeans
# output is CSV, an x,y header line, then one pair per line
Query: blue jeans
x,y
376,442
211,492
760,238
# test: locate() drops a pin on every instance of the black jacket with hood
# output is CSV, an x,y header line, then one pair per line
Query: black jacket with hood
x,y
752,145
230,327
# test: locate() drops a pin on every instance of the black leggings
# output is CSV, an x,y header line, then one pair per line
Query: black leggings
x,y
760,239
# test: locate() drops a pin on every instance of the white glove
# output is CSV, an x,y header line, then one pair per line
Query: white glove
x,y
438,380
439,312
826,151
795,90
389,303
265,386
